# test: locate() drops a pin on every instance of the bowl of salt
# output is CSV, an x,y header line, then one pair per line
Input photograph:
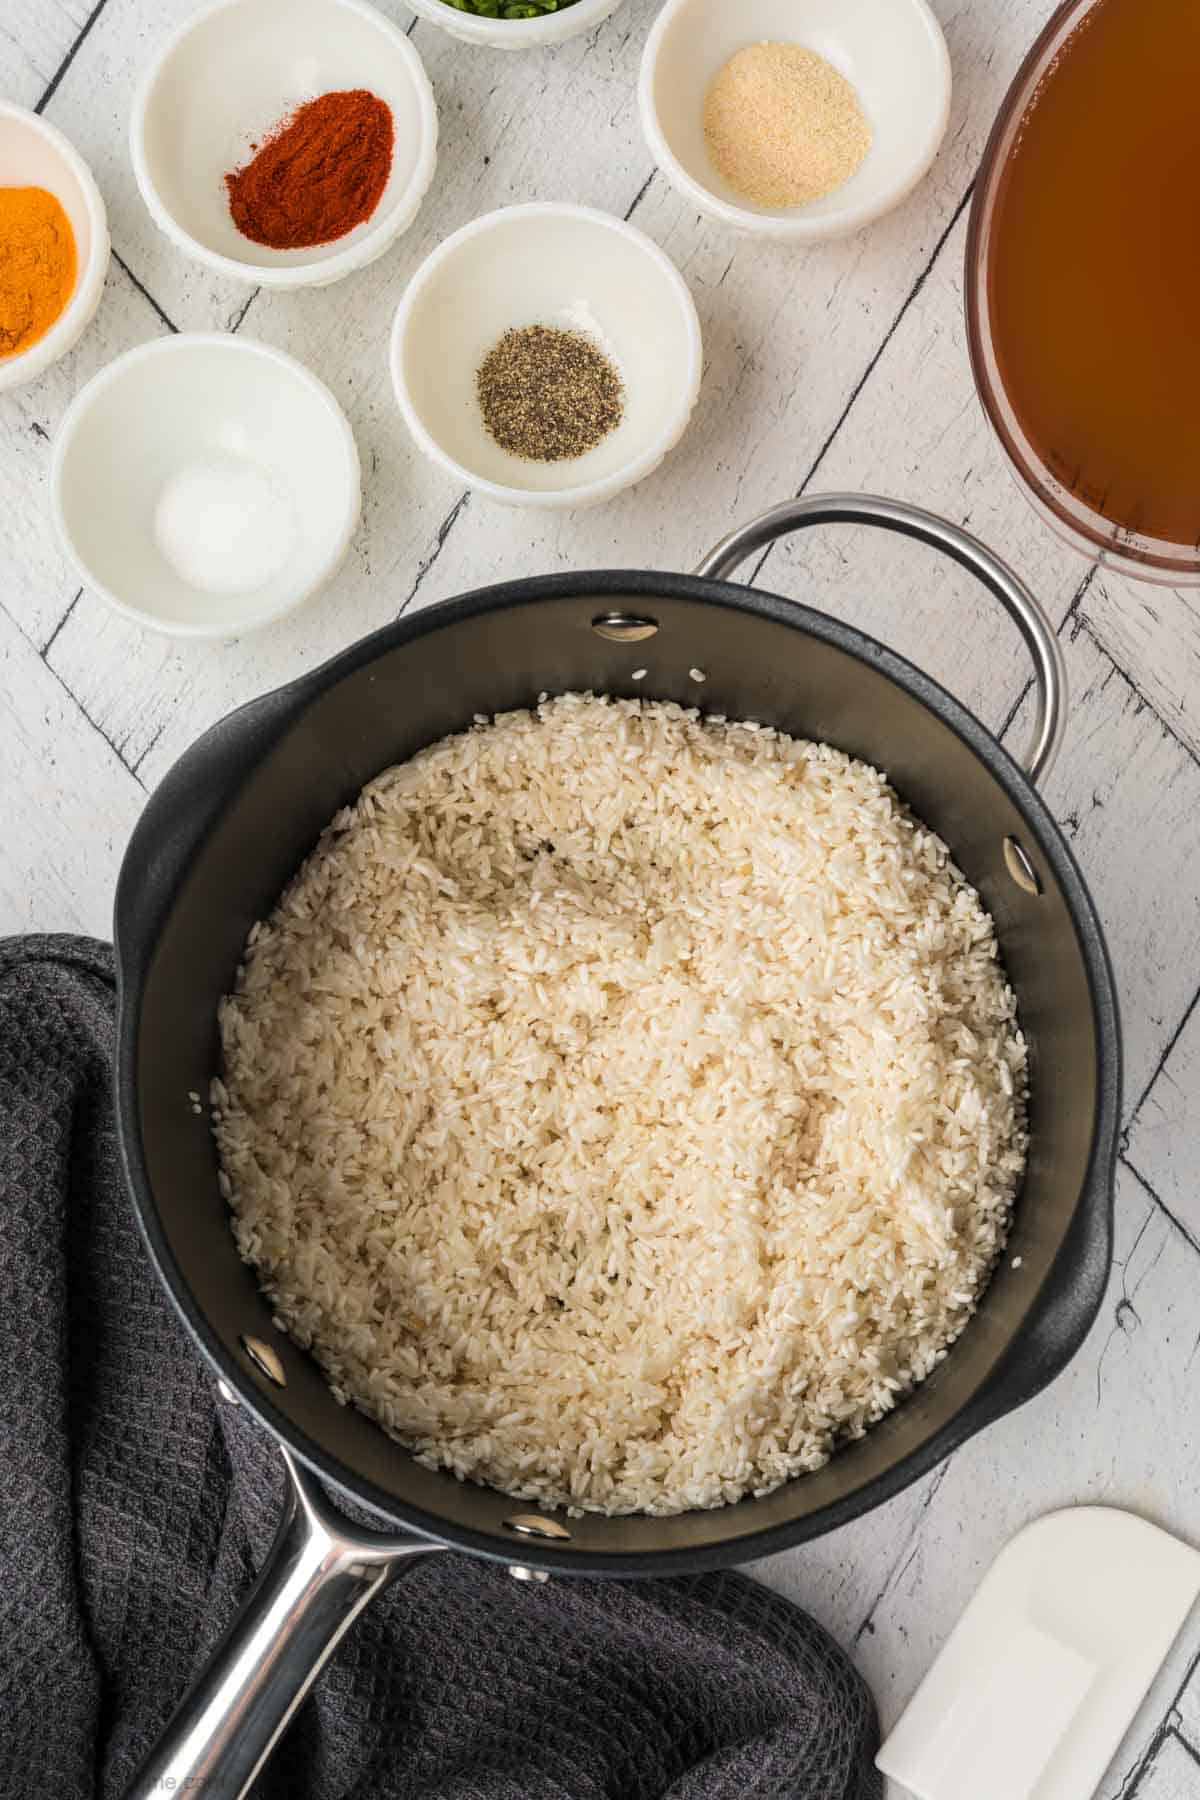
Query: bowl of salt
x,y
205,485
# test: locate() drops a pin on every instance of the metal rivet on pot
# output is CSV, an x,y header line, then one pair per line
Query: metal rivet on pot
x,y
1016,861
624,628
519,1572
535,1525
265,1359
226,1392
697,675
639,675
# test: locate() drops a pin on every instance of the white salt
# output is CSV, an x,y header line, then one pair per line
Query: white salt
x,y
225,525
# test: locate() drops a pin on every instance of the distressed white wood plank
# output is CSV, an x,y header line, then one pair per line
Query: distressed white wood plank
x,y
68,803
1173,1774
788,338
1187,1712
1163,1138
37,584
916,432
841,1579
1153,633
35,36
1118,1428
1127,793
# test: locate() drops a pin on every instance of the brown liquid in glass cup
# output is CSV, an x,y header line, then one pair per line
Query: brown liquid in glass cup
x,y
1084,280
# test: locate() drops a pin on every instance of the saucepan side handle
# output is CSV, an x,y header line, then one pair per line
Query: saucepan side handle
x,y
1050,673
1066,1311
320,1574
182,811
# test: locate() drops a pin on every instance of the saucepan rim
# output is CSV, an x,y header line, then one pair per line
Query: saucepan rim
x,y
402,1519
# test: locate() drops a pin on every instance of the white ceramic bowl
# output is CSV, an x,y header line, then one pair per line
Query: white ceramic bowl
x,y
893,53
35,154
547,264
231,74
516,34
157,423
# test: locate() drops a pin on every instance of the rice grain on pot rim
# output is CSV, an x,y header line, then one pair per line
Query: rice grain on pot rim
x,y
625,1108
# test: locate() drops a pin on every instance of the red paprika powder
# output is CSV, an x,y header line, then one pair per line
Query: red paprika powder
x,y
321,173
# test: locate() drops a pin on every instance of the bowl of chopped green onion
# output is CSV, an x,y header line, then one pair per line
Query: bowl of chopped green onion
x,y
515,24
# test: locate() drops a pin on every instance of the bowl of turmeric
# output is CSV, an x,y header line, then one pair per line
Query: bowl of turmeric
x,y
285,142
53,245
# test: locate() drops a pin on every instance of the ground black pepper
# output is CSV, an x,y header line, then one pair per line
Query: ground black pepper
x,y
547,394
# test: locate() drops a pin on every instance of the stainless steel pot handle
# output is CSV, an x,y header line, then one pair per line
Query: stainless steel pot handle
x,y
320,1574
1050,671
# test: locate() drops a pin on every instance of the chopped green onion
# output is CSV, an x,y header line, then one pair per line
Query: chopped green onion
x,y
499,9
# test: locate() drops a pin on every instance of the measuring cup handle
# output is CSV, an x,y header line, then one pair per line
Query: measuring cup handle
x,y
1050,674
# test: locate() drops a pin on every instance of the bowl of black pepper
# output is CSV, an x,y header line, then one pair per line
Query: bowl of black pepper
x,y
547,355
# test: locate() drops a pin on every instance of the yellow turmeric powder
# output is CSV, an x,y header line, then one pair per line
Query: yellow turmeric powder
x,y
37,265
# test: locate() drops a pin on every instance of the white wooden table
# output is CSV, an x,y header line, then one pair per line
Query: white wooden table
x,y
839,367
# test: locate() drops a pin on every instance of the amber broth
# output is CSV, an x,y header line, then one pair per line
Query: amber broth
x,y
1094,267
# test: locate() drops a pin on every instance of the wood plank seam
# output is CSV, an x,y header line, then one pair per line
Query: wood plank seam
x,y
905,1554
1186,1744
136,766
43,650
1145,1766
239,318
74,699
144,291
69,58
1163,1061
872,364
99,729
1161,1204
1143,699
1079,626
443,532
640,195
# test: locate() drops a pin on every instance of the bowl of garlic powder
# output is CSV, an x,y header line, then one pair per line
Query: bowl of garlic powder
x,y
800,123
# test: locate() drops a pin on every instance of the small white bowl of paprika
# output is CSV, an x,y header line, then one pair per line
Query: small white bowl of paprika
x,y
286,143
54,247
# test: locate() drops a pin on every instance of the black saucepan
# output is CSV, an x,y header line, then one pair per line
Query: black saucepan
x,y
238,813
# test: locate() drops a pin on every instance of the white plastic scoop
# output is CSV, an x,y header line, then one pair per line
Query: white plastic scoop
x,y
1043,1674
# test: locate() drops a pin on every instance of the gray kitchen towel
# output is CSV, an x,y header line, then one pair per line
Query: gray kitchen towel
x,y
134,1511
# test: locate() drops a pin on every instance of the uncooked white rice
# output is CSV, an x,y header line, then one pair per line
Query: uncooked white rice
x,y
625,1108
